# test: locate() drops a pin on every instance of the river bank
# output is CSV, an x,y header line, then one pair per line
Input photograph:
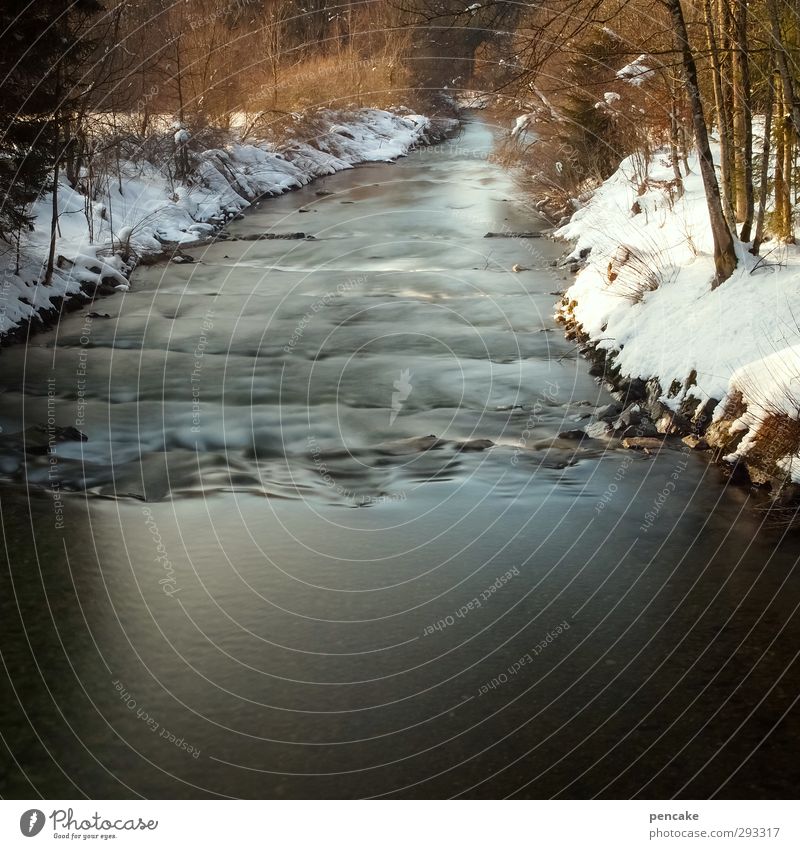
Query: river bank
x,y
719,369
149,217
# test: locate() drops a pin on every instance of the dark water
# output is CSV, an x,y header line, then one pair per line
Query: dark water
x,y
262,576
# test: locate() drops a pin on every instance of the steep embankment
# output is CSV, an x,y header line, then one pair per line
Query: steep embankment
x,y
720,368
146,215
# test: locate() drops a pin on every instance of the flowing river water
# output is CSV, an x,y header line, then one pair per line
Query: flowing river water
x,y
324,540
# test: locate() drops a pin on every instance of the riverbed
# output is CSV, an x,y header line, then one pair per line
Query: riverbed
x,y
324,539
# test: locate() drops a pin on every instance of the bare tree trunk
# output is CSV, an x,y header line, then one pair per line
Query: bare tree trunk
x,y
674,141
763,187
685,140
145,102
51,254
179,78
784,136
182,155
727,138
723,119
779,189
743,121
783,64
724,250
788,158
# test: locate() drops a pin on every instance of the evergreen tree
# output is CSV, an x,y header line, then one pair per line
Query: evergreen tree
x,y
26,130
42,66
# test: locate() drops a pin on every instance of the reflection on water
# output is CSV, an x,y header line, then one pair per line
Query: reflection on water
x,y
323,538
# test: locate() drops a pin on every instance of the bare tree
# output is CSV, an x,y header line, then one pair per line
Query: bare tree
x,y
742,119
763,188
725,259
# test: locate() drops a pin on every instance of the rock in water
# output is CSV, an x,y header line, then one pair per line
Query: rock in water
x,y
573,435
474,445
643,443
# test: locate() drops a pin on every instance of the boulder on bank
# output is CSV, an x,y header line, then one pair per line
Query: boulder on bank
x,y
629,417
608,413
598,430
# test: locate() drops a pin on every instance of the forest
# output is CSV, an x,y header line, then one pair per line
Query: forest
x,y
88,83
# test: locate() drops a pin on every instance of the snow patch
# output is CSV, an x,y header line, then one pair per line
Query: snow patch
x,y
636,72
742,337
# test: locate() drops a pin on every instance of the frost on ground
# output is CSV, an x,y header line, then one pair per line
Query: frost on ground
x,y
645,297
146,209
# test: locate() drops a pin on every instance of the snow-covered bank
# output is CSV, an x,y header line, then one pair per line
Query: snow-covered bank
x,y
145,210
644,301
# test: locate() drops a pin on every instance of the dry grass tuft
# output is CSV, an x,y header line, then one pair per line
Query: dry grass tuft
x,y
719,435
778,436
633,272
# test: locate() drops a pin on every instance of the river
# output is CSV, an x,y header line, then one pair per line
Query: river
x,y
323,538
